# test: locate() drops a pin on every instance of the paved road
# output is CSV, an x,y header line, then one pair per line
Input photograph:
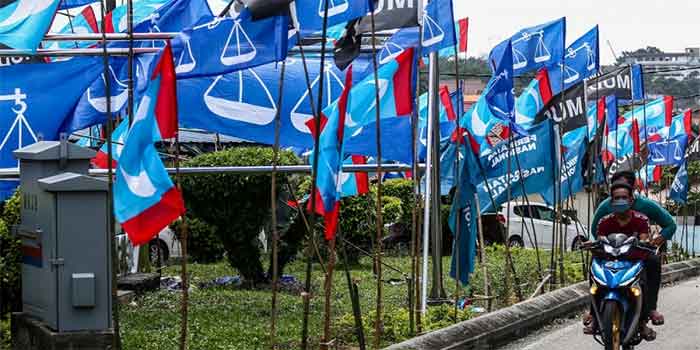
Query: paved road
x,y
679,303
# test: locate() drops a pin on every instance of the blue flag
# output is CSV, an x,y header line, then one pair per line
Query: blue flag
x,y
310,13
145,199
535,47
499,92
536,163
173,16
464,208
243,104
669,151
438,26
69,4
219,45
29,111
23,23
582,60
679,188
401,40
571,180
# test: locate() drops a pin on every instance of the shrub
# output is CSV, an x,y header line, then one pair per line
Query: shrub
x,y
402,189
238,205
203,244
10,258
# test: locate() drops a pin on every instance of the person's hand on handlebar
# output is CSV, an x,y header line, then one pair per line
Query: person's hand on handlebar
x,y
658,240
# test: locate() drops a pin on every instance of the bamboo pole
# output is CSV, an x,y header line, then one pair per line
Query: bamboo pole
x,y
273,207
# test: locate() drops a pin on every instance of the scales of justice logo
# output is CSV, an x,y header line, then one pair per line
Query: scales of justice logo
x,y
20,122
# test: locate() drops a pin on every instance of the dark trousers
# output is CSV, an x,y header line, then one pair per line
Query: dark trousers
x,y
652,267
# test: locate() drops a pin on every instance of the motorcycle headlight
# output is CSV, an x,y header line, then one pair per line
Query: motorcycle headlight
x,y
610,250
625,248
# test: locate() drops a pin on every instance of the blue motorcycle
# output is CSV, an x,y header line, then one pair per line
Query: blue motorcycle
x,y
617,290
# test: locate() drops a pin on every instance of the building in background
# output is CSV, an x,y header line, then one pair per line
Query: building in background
x,y
655,60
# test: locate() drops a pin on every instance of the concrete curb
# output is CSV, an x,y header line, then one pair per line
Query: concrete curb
x,y
514,322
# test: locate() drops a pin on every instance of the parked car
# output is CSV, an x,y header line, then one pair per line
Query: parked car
x,y
166,240
522,219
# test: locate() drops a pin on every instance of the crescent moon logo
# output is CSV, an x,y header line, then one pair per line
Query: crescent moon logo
x,y
140,185
478,126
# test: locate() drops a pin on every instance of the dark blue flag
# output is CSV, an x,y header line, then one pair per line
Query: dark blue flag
x,y
499,92
243,104
29,111
535,47
438,30
219,45
679,188
669,151
464,209
582,60
309,13
69,4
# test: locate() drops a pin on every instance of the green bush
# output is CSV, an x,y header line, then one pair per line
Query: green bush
x,y
203,244
238,205
402,189
392,209
10,258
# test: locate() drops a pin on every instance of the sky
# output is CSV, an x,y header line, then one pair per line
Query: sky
x,y
670,25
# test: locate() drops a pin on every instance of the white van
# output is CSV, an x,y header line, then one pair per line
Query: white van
x,y
536,222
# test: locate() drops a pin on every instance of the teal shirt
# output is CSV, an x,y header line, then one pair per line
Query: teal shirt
x,y
645,206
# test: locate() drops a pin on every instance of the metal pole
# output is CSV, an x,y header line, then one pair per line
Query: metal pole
x,y
380,225
117,343
428,191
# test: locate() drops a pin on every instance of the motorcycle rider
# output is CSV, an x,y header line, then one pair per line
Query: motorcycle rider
x,y
655,213
632,223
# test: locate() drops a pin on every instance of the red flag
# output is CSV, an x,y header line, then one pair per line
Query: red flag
x,y
90,18
463,34
688,123
447,103
544,85
668,104
635,136
166,105
362,179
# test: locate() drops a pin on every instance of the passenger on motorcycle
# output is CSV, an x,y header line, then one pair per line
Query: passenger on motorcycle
x,y
631,223
655,213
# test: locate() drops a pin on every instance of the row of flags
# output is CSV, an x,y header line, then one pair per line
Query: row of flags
x,y
228,81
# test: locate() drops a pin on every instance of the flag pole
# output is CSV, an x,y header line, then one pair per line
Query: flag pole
x,y
458,183
380,225
273,205
314,175
116,343
184,228
306,294
414,313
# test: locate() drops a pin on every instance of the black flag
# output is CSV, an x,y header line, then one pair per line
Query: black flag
x,y
566,109
625,83
260,9
390,14
693,152
347,48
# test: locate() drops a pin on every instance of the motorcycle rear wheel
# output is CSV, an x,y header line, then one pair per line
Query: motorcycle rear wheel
x,y
612,325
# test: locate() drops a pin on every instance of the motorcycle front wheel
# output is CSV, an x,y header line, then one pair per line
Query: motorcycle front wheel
x,y
612,325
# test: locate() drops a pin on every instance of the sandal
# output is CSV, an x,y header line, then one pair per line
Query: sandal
x,y
589,328
657,319
647,333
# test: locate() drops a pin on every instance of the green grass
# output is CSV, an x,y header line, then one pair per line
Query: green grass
x,y
229,318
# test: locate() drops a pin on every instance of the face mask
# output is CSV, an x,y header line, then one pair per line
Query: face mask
x,y
620,206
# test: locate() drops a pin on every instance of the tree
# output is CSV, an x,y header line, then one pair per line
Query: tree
x,y
238,205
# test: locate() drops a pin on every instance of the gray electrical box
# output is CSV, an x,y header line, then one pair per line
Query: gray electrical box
x,y
66,265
